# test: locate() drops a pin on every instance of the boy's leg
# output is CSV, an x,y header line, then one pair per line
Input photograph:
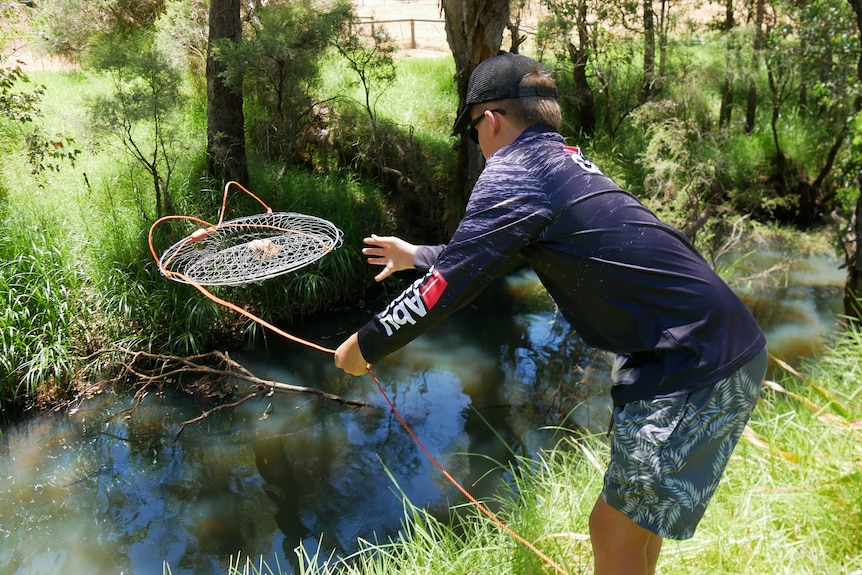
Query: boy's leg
x,y
653,551
620,546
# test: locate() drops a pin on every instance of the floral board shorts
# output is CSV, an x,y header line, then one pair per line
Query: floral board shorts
x,y
668,454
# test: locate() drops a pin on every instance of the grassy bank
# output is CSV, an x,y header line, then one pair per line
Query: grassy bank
x,y
790,502
77,275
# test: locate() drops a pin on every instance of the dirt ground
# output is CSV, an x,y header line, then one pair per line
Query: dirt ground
x,y
417,25
20,49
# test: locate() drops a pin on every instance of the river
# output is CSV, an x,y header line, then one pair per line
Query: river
x,y
108,487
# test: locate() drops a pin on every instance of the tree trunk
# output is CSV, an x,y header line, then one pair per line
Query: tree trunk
x,y
225,121
853,286
664,24
649,50
585,102
517,38
726,111
474,31
751,107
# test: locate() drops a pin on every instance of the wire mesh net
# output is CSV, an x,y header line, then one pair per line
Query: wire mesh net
x,y
250,249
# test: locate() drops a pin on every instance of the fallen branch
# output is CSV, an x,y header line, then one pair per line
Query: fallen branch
x,y
215,367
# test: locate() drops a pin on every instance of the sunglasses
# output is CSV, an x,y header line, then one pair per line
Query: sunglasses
x,y
471,130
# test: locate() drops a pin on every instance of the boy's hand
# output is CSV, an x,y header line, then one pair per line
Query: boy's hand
x,y
394,254
349,357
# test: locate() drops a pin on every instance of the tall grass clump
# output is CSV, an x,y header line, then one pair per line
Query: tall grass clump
x,y
791,501
540,505
47,311
146,311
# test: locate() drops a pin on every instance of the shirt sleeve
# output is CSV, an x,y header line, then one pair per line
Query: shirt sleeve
x,y
426,256
507,209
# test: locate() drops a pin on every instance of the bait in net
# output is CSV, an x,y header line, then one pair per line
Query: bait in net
x,y
247,249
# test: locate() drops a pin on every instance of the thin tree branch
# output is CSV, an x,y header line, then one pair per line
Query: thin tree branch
x,y
152,368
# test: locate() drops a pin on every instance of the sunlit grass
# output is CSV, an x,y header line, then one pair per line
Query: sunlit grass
x,y
423,97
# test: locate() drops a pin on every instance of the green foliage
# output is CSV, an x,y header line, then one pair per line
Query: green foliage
x,y
146,91
44,324
146,85
277,65
181,31
21,108
808,88
678,162
851,168
69,27
373,64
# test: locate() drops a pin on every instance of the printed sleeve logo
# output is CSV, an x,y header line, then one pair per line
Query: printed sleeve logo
x,y
578,157
414,302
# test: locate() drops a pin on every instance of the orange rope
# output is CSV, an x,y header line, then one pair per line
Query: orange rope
x,y
240,186
487,512
251,316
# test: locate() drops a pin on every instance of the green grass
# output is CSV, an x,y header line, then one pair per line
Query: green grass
x,y
423,96
46,307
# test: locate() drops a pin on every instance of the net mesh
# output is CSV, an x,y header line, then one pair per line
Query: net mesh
x,y
250,249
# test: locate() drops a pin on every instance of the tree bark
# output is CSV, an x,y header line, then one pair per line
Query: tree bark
x,y
585,102
225,120
474,30
759,38
649,50
853,285
726,111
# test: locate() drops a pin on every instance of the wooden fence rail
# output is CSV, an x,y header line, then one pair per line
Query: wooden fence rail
x,y
433,36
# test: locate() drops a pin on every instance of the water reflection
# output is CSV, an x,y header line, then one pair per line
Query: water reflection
x,y
798,307
107,489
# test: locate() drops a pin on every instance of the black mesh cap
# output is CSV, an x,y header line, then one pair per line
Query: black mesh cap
x,y
498,78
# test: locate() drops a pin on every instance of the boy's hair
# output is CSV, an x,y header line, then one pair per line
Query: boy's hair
x,y
533,110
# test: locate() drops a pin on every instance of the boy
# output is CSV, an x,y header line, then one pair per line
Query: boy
x,y
690,358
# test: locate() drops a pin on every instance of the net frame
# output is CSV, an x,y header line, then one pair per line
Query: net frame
x,y
248,249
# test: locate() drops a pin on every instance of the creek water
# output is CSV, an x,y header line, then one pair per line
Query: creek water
x,y
106,488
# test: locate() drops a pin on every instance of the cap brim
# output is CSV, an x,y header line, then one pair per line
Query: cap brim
x,y
462,121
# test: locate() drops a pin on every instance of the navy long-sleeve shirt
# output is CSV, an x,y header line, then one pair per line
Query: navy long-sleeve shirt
x,y
626,282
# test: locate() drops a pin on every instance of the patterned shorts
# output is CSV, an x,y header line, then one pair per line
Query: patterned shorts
x,y
668,454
